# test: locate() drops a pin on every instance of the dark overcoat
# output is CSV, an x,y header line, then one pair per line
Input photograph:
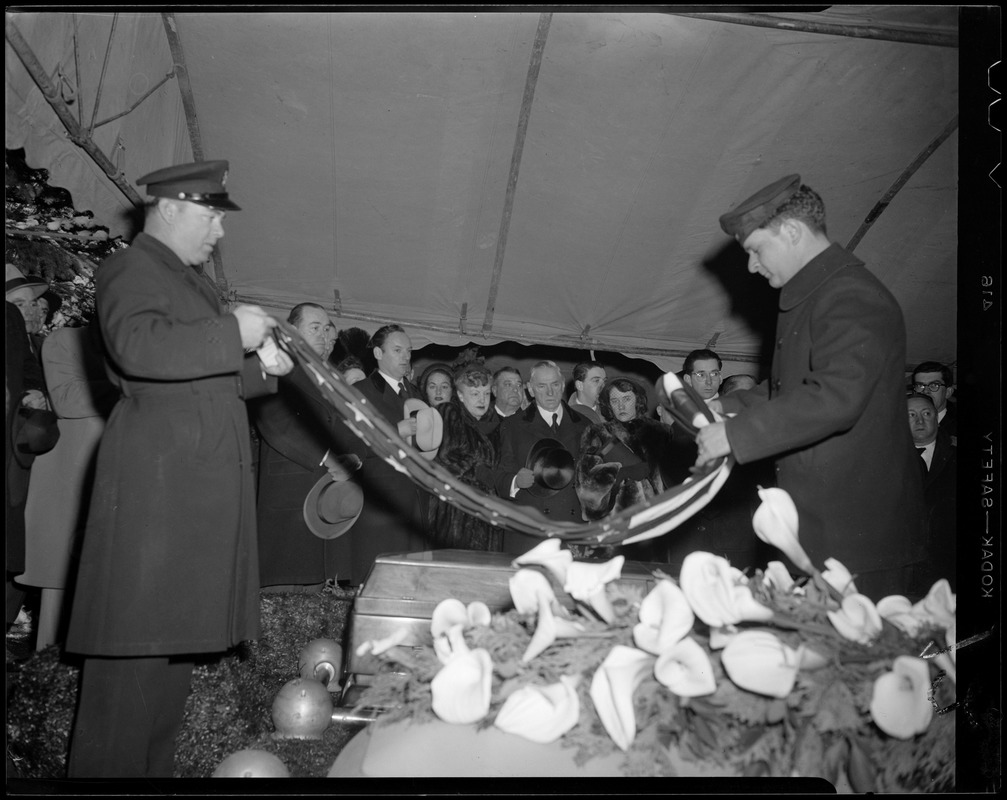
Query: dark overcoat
x,y
518,435
393,516
834,415
940,490
22,373
297,427
470,450
169,560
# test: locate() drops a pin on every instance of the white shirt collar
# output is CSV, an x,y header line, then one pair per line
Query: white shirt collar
x,y
391,381
547,415
928,452
941,414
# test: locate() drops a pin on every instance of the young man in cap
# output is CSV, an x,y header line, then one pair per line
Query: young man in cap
x,y
169,566
833,410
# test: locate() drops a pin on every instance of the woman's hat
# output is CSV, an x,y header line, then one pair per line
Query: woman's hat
x,y
331,507
429,427
553,466
16,280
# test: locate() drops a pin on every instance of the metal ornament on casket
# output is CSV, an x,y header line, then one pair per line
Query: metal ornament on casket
x,y
251,764
321,660
302,709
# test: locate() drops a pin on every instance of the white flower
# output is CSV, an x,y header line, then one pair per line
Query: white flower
x,y
461,690
451,612
938,608
541,713
549,555
685,669
586,583
838,577
857,619
720,636
776,523
528,588
898,610
759,662
379,646
665,617
612,690
717,591
900,703
778,576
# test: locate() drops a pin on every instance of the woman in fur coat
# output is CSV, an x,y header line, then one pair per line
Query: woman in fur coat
x,y
470,450
619,461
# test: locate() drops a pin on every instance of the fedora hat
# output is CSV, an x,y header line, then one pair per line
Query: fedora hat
x,y
15,279
429,427
331,507
553,466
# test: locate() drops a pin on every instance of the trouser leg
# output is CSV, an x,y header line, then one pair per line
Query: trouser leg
x,y
129,713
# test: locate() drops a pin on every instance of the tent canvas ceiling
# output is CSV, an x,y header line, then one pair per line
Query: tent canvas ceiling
x,y
537,177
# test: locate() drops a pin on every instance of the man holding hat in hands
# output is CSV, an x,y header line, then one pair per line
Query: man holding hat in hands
x,y
833,410
169,565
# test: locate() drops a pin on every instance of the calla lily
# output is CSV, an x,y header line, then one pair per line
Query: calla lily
x,y
686,670
379,646
810,659
776,523
720,636
541,713
778,576
665,617
528,589
898,610
838,577
586,583
939,606
461,690
447,614
612,690
900,703
716,591
549,555
450,643
857,619
759,662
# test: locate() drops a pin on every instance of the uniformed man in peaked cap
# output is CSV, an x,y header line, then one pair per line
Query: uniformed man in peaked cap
x,y
169,565
833,411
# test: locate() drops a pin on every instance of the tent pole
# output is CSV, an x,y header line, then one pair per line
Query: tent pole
x,y
74,130
781,22
894,189
519,138
192,124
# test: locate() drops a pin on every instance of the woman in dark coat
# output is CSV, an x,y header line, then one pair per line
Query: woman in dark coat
x,y
470,450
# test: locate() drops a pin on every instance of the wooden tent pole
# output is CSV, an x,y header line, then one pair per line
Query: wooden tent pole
x,y
519,138
74,130
804,25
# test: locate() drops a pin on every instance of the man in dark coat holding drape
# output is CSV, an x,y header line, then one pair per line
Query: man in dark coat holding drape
x,y
299,429
169,565
833,411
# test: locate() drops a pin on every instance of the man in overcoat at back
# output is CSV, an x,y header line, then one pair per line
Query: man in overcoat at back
x,y
546,418
832,413
169,567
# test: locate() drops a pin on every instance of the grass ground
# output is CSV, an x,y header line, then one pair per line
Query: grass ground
x,y
229,708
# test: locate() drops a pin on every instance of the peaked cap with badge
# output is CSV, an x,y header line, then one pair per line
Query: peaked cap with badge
x,y
200,182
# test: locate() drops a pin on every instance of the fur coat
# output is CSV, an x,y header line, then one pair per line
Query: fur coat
x,y
619,465
470,450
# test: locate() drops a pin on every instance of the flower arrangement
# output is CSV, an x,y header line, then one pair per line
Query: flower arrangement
x,y
46,237
712,674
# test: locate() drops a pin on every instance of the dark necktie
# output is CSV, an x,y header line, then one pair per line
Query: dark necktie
x,y
402,389
921,451
555,423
